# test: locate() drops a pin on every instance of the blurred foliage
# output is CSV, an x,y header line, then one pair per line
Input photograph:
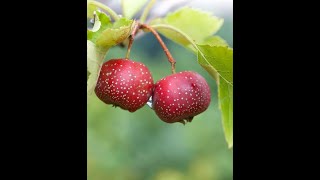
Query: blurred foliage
x,y
139,146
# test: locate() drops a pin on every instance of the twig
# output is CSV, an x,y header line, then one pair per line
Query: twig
x,y
164,47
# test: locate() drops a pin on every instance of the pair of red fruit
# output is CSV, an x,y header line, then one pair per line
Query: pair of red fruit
x,y
175,98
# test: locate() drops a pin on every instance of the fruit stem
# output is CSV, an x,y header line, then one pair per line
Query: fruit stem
x,y
131,38
164,47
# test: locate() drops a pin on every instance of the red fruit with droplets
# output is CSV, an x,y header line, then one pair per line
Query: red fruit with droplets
x,y
124,83
180,97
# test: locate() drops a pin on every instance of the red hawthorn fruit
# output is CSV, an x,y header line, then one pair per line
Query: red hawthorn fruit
x,y
180,96
124,83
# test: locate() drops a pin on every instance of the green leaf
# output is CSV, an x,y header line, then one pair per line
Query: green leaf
x,y
102,22
95,58
214,41
226,105
130,7
105,34
119,32
197,24
217,60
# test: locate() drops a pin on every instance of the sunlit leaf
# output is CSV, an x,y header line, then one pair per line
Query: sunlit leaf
x,y
218,62
217,59
197,24
130,7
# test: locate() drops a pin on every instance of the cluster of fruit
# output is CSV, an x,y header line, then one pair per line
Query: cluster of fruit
x,y
129,85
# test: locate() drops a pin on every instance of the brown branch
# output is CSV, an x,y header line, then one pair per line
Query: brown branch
x,y
131,38
164,47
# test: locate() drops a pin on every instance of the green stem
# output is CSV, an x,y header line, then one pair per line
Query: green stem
x,y
113,14
146,11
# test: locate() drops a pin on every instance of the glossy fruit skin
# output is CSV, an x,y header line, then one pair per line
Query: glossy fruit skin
x,y
124,83
181,96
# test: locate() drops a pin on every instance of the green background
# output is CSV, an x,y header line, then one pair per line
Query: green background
x,y
138,146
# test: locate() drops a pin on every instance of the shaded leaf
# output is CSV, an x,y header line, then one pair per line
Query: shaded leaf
x,y
95,58
114,35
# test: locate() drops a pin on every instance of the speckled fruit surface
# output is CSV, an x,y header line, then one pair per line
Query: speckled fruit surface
x,y
181,96
124,83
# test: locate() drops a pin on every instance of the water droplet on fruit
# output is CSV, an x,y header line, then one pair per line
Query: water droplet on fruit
x,y
149,103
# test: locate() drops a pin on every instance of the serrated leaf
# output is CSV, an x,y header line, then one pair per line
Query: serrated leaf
x,y
195,23
226,105
119,32
95,58
130,7
217,60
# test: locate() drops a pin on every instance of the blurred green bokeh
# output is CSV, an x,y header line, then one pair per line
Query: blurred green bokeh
x,y
139,146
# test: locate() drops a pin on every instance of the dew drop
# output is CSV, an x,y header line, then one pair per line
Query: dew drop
x,y
149,103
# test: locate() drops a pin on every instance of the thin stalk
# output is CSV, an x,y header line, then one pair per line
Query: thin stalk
x,y
164,47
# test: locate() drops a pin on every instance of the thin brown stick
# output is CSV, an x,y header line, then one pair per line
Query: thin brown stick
x,y
164,47
131,38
